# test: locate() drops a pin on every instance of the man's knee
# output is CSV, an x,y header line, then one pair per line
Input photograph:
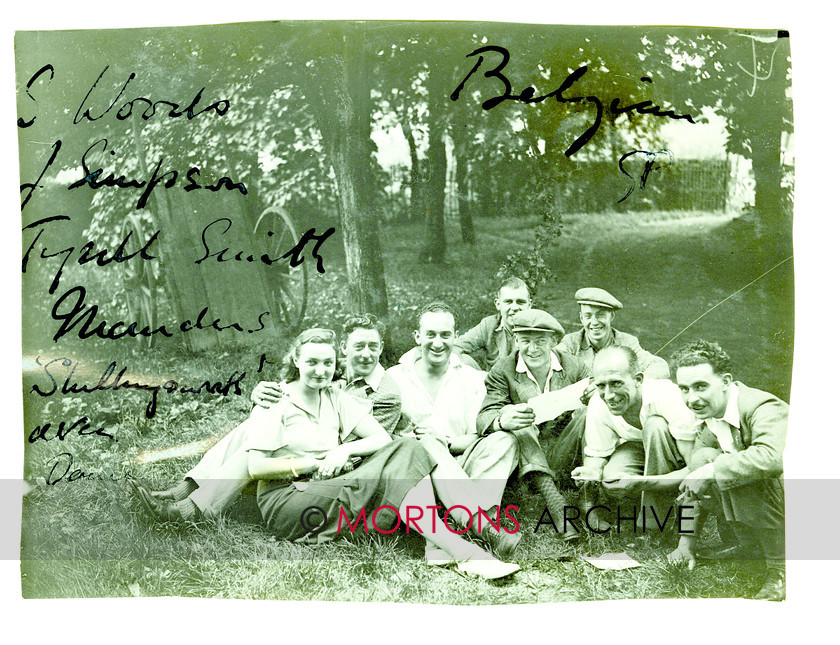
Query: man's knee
x,y
500,443
613,471
702,456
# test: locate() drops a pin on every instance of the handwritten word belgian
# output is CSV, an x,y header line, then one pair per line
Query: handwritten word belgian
x,y
84,316
528,95
113,380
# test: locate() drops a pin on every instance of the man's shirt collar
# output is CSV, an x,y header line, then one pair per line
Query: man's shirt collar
x,y
522,368
585,344
731,415
373,379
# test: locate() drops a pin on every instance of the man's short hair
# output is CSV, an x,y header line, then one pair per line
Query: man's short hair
x,y
629,356
363,321
436,307
702,351
514,283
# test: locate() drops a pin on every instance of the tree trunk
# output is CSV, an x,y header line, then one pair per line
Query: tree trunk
x,y
434,248
463,191
764,130
416,204
771,204
344,121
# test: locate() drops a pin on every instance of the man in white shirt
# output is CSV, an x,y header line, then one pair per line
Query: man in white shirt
x,y
442,396
639,435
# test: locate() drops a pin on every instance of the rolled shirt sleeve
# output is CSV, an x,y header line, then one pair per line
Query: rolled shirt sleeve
x,y
600,435
669,404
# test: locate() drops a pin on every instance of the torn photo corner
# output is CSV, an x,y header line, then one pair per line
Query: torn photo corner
x,y
252,252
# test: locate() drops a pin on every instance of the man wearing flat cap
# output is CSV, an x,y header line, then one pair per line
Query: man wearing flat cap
x,y
533,369
597,310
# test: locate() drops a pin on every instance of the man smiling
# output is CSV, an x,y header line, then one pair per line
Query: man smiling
x,y
639,433
216,482
492,338
534,368
736,466
366,378
442,396
597,312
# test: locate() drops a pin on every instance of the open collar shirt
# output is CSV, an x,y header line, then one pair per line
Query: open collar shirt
x,y
453,411
578,344
726,429
522,368
289,428
487,342
606,431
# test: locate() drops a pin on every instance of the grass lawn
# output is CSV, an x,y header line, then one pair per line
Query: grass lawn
x,y
89,539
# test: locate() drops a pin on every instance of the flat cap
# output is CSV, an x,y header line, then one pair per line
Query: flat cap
x,y
535,320
597,297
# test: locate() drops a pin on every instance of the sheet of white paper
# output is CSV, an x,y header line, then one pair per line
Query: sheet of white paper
x,y
613,561
552,404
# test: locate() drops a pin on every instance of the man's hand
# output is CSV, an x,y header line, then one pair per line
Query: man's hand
x,y
683,553
587,393
628,483
429,433
697,482
516,417
266,394
586,473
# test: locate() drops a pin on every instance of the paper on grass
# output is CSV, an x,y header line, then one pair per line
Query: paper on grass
x,y
552,404
613,561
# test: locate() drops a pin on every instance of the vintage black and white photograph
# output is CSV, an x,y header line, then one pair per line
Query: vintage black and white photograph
x,y
445,313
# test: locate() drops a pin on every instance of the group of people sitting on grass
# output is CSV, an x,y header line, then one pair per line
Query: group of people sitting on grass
x,y
434,440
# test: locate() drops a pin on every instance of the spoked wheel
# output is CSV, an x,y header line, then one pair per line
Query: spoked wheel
x,y
289,286
141,279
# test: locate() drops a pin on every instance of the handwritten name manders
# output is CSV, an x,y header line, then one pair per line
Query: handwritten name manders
x,y
528,95
113,380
